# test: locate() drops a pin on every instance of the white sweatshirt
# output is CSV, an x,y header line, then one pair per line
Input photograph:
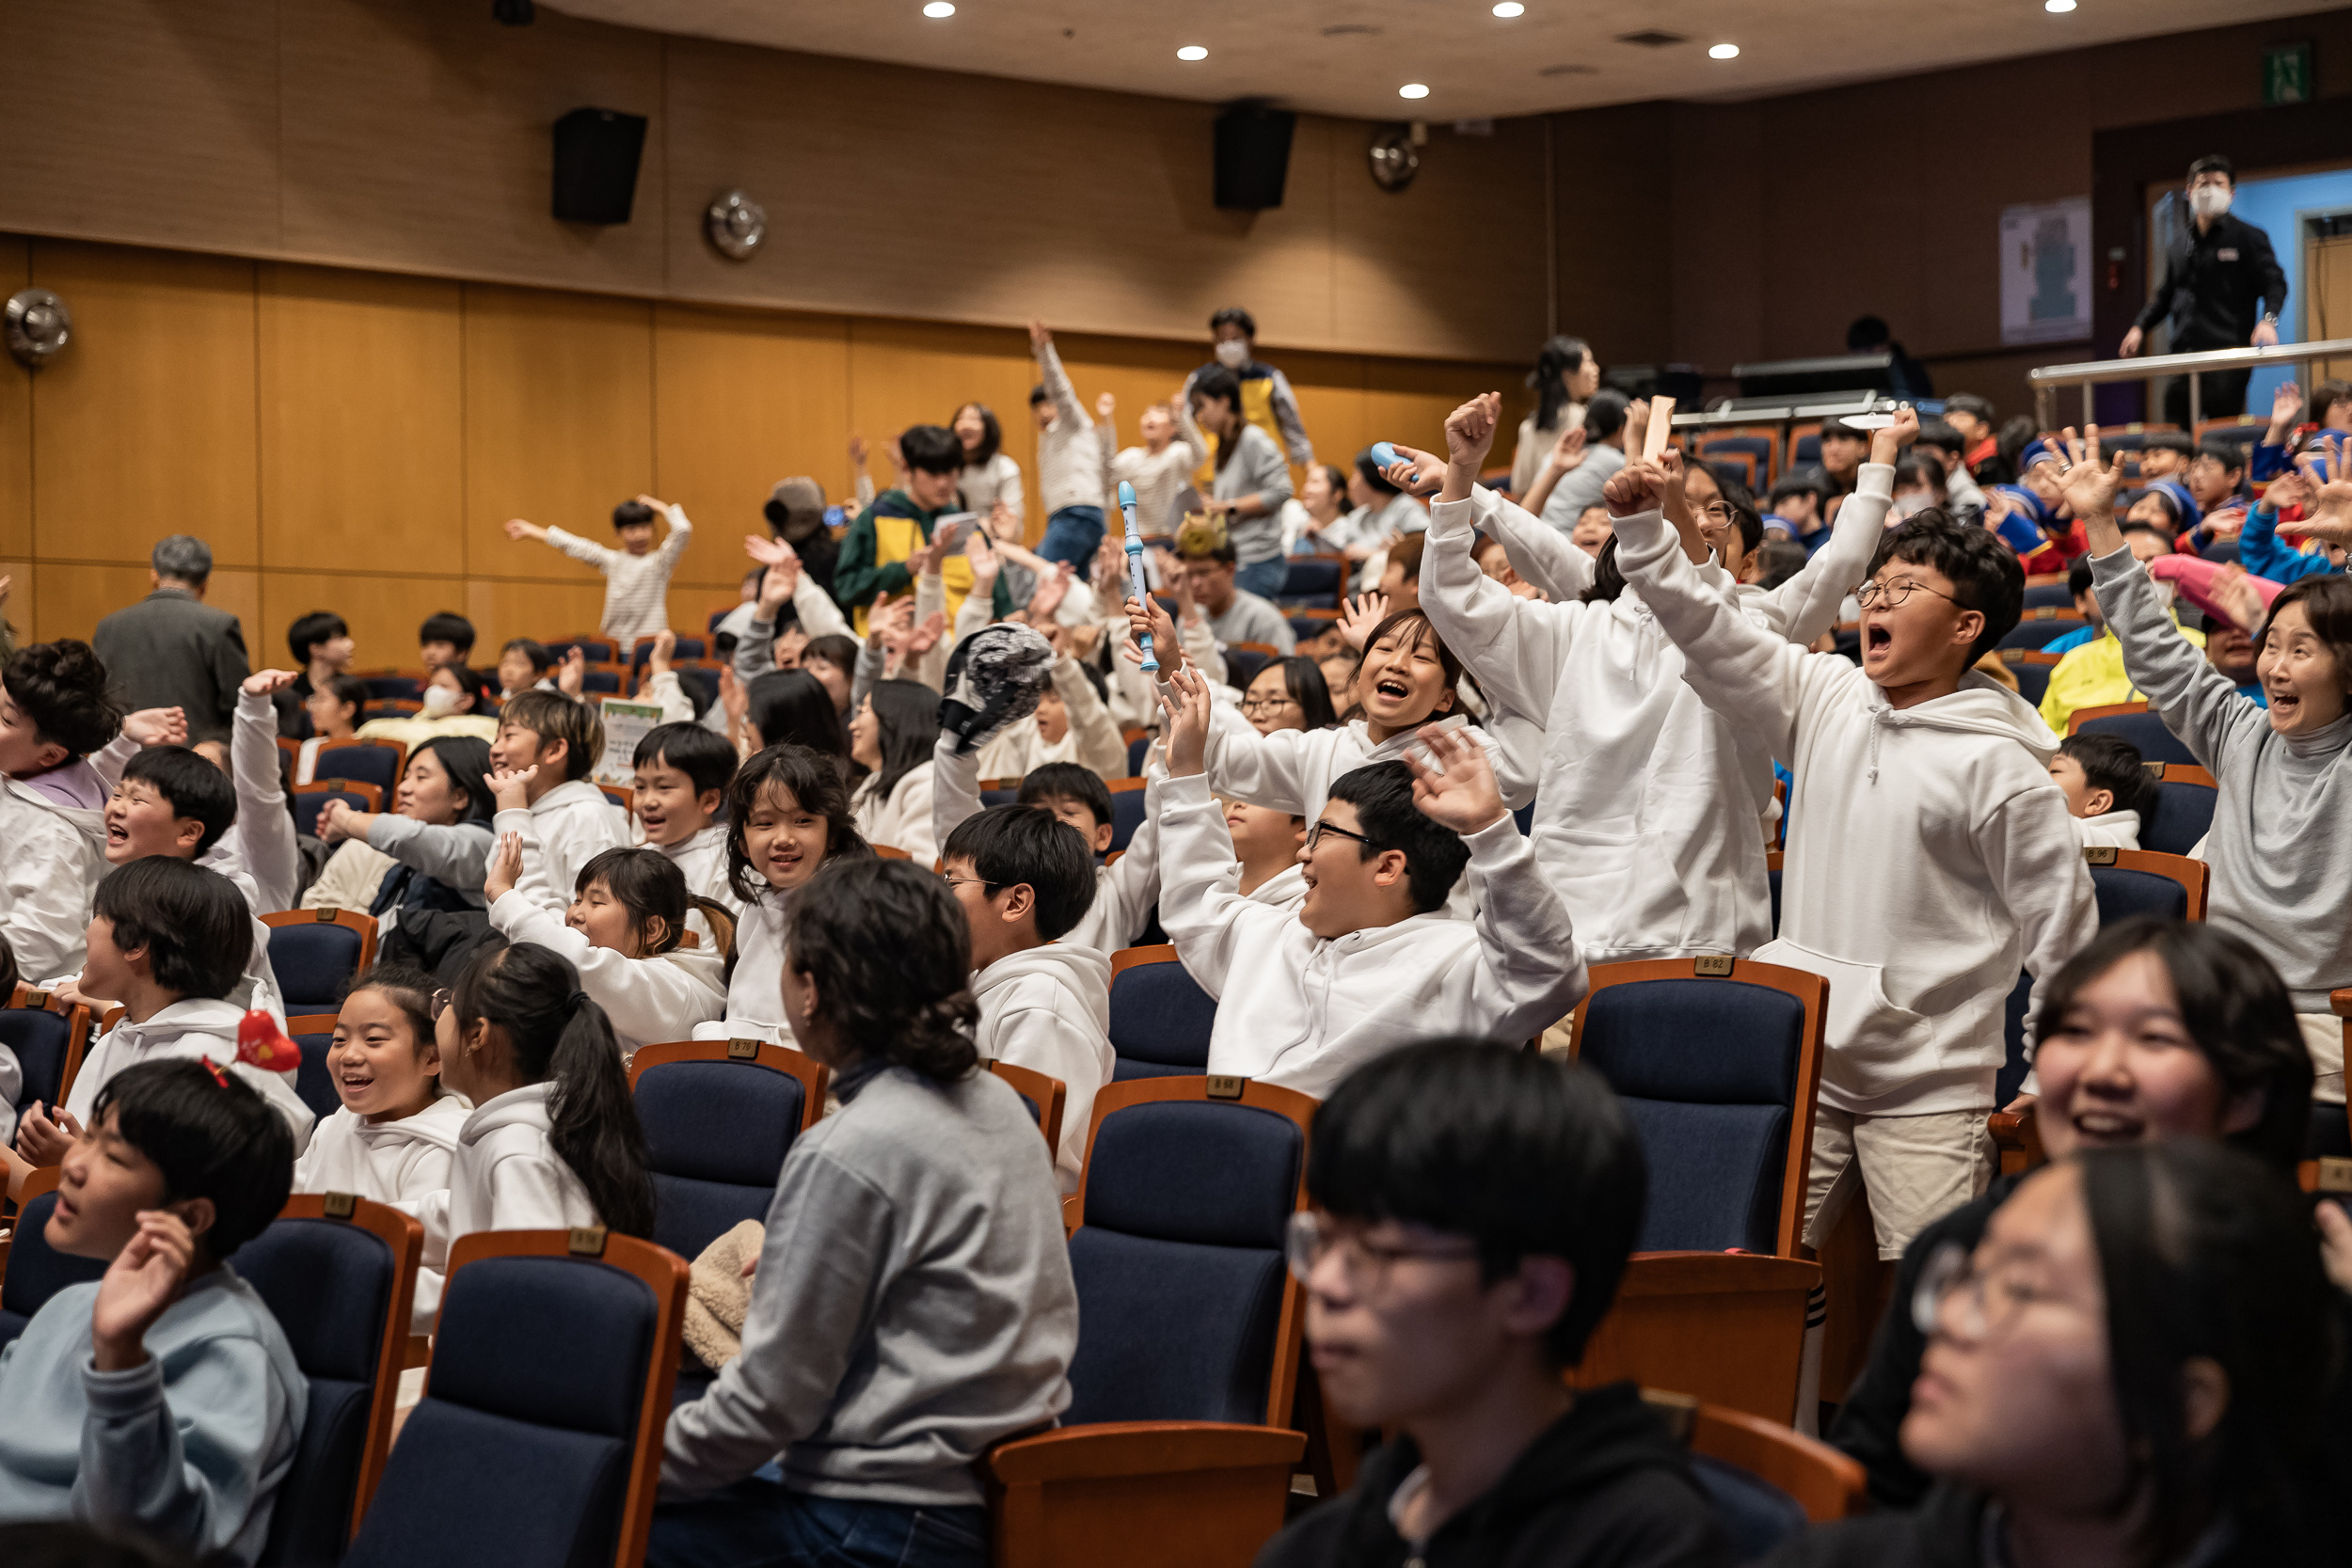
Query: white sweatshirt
x,y
661,998
902,820
636,587
186,1030
54,858
1297,1011
1070,461
1933,854
265,830
1049,1010
703,861
1291,770
400,1162
1648,815
754,1001
506,1177
2116,830
562,831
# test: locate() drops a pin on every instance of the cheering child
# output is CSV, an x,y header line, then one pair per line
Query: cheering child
x,y
395,1135
787,815
546,746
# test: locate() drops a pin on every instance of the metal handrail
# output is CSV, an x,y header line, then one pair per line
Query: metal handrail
x,y
2090,374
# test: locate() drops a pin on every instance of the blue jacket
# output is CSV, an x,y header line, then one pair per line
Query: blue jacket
x,y
2260,552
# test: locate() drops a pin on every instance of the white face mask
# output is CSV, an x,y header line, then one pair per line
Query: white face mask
x,y
1234,352
2209,201
439,701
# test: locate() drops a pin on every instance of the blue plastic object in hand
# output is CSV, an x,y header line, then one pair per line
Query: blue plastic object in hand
x,y
1135,568
1384,456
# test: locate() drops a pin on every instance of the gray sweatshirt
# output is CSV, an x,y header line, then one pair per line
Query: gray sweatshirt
x,y
1256,469
2279,856
189,1446
912,1307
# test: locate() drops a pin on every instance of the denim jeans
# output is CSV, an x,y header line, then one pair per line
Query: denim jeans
x,y
1263,578
1074,535
761,1523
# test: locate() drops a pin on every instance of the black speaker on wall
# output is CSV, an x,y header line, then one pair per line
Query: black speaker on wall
x,y
596,151
1253,155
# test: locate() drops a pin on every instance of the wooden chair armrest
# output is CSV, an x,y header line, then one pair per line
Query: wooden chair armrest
x,y
20,1170
2340,1002
1117,1449
2018,1136
2008,1127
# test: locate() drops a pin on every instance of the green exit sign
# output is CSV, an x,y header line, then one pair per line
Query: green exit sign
x,y
2287,74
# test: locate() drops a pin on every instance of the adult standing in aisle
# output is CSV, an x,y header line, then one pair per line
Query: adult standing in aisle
x,y
2222,288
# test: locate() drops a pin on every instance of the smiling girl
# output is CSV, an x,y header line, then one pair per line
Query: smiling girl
x,y
787,815
428,850
397,1130
891,738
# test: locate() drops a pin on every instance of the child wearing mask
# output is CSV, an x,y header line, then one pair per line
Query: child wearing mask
x,y
457,701
394,1137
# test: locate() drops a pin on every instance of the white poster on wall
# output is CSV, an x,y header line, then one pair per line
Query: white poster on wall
x,y
2045,271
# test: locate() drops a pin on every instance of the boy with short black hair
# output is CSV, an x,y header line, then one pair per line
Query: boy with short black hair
x,y
167,940
636,576
1472,1210
321,647
2165,455
445,638
2110,794
1932,854
1024,881
524,666
2217,478
164,1397
547,746
890,544
1371,958
1235,615
681,773
1797,512
1843,447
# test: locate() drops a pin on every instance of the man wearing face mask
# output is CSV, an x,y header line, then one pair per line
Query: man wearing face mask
x,y
1266,399
2222,288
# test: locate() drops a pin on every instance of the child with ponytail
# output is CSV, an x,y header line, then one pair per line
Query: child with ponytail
x,y
622,933
553,1142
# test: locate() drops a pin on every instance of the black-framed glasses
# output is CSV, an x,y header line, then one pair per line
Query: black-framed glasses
x,y
988,889
1309,1237
1896,594
1320,827
1268,704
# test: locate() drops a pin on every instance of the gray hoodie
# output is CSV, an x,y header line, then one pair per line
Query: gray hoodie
x,y
1049,1010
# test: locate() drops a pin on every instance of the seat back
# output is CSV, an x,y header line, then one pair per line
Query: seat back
x,y
538,1442
2184,803
315,953
399,685
313,1034
1126,810
2032,668
373,762
2040,627
339,1272
1242,663
2048,595
1186,1310
1160,1017
1718,1062
2144,882
1765,1482
48,1038
37,1271
1137,749
2135,723
719,1115
1312,581
311,798
1043,1094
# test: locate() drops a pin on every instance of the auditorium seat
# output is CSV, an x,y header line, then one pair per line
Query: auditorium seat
x,y
315,953
720,1115
2135,722
372,762
2041,627
2144,883
311,798
1312,583
1160,1017
48,1037
1127,800
1043,1094
313,1034
1243,661
2048,593
2032,668
2184,807
35,1271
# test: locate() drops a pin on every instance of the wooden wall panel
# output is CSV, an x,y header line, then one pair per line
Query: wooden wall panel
x,y
363,446
559,422
501,609
903,373
741,401
144,426
16,418
74,597
383,611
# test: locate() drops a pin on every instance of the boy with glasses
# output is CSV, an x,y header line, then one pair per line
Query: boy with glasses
x,y
1472,1208
1370,959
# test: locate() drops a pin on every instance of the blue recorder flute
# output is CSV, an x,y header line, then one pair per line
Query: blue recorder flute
x,y
1135,568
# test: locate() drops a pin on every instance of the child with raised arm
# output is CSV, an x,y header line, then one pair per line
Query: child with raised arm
x,y
1648,810
1370,959
1932,856
1070,464
637,576
547,746
2277,851
54,713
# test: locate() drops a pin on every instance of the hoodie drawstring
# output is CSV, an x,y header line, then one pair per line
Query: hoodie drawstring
x,y
1878,717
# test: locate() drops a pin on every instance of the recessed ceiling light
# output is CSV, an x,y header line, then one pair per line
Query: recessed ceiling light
x,y
1510,8
939,10
1412,89
2060,6
1192,52
1724,52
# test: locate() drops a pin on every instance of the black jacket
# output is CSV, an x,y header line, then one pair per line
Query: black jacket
x,y
170,650
2213,290
1869,1422
1605,1487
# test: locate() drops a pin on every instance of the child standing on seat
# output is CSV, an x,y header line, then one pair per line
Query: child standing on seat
x,y
912,1303
163,1398
395,1137
553,1142
787,815
2110,792
546,746
54,712
622,933
637,576
1024,879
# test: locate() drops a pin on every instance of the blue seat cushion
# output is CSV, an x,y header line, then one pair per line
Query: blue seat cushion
x,y
689,1214
1196,1170
1715,1174
314,963
1755,1513
1126,817
1160,1014
468,1486
39,1038
1717,1042
313,1517
312,1084
1171,1331
719,1121
2184,815
2123,894
37,1271
550,1342
2156,740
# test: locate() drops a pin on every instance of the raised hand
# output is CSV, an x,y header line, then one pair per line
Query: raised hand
x,y
1636,426
505,869
1453,784
2286,407
1040,339
776,585
1105,405
857,452
1052,588
769,552
1185,727
43,1135
517,528
654,501
143,1279
664,645
1145,618
2327,509
733,699
1636,487
262,683
923,638
1567,452
572,676
1360,615
509,787
1887,444
158,726
2083,483
334,821
986,563
1415,472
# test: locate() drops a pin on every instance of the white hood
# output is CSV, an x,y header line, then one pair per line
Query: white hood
x,y
399,1162
1049,1010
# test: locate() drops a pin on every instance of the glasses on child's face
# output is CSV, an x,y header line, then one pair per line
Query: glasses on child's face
x,y
1316,833
1311,1236
988,889
1893,595
1268,706
1989,1300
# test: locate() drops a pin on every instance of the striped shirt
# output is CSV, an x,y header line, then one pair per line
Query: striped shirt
x,y
636,587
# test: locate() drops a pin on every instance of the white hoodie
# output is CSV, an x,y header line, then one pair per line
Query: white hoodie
x,y
2116,830
1291,770
754,995
902,818
506,1177
661,998
1649,814
1091,741
54,859
186,1030
1049,1010
562,831
1932,856
1297,1011
400,1162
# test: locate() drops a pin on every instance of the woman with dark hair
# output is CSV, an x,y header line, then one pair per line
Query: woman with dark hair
x,y
1253,480
457,701
788,815
890,739
428,851
2159,1029
2279,849
832,659
2131,1368
989,474
1289,694
918,1230
1565,376
1587,458
792,707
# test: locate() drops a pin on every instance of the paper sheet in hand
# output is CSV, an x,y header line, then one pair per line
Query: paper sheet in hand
x,y
1867,421
625,724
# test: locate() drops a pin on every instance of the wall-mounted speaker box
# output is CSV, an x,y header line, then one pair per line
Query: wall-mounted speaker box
x,y
596,151
1253,155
